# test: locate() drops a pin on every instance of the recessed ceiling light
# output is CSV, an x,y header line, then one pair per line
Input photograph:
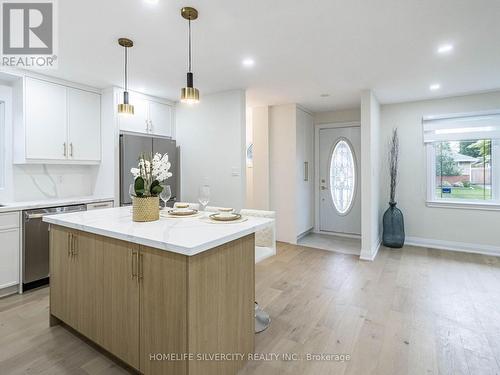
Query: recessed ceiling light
x,y
152,2
248,62
325,95
445,48
434,87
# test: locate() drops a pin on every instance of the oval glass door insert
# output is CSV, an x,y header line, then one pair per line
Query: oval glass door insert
x,y
342,176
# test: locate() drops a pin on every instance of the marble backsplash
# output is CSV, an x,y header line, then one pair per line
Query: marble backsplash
x,y
36,182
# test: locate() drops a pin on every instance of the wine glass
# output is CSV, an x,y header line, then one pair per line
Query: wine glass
x,y
165,195
204,196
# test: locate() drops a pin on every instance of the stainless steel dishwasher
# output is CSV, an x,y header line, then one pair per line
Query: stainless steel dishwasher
x,y
36,244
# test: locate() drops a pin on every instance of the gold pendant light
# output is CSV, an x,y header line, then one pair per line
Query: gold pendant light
x,y
189,94
125,108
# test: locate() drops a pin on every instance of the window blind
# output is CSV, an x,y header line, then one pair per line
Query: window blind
x,y
461,128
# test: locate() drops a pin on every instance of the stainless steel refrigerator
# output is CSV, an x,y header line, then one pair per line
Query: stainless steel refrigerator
x,y
131,146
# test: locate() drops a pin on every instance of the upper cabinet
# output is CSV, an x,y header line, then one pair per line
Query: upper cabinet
x,y
84,125
45,120
57,124
150,116
160,119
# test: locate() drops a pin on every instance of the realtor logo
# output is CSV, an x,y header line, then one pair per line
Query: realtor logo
x,y
28,34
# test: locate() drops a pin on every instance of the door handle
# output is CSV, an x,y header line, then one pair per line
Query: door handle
x,y
65,149
71,149
306,171
147,125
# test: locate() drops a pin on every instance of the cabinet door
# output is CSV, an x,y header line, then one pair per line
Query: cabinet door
x,y
82,284
117,298
160,116
138,122
9,257
163,304
60,288
84,125
46,119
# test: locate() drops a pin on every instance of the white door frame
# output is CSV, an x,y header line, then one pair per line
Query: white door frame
x,y
317,128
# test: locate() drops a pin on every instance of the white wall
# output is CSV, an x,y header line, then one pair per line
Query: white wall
x,y
282,159
370,172
260,127
211,136
344,115
453,228
248,167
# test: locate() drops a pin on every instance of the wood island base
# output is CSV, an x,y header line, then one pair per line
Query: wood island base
x,y
159,312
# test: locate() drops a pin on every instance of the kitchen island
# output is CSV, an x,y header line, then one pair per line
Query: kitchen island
x,y
174,296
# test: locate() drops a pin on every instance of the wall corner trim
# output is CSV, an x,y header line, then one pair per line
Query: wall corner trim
x,y
371,257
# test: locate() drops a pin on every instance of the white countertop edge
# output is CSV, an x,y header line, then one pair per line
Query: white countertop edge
x,y
28,205
157,244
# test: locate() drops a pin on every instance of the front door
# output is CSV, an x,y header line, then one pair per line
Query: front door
x,y
339,165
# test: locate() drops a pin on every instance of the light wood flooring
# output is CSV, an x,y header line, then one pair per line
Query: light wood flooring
x,y
411,311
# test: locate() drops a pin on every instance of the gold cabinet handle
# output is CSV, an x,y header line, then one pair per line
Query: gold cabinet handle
x,y
75,241
69,244
134,263
141,267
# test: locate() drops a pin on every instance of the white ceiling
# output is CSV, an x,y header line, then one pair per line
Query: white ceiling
x,y
302,48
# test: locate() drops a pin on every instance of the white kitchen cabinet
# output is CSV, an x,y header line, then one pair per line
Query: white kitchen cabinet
x,y
160,119
46,120
150,116
55,123
139,121
84,125
10,250
291,131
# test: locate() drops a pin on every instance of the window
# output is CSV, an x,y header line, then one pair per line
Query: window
x,y
342,176
463,159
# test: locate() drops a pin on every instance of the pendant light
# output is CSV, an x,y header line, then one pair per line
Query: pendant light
x,y
125,108
189,94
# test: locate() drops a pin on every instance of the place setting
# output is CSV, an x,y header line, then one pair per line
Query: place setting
x,y
225,215
181,210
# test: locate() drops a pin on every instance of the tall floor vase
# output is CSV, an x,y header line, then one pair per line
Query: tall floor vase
x,y
394,227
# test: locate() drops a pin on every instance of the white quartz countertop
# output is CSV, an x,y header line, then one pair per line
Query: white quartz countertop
x,y
187,236
28,205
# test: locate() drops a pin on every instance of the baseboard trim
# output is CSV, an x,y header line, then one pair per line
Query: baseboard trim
x,y
303,234
339,234
372,257
453,246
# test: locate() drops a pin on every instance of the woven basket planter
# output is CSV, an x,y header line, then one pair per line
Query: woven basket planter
x,y
145,208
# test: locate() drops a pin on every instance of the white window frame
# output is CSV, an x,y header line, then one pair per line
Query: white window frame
x,y
491,205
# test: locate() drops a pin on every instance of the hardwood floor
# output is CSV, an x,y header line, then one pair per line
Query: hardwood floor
x,y
411,311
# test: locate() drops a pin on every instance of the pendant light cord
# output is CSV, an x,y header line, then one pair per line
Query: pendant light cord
x,y
126,83
189,48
